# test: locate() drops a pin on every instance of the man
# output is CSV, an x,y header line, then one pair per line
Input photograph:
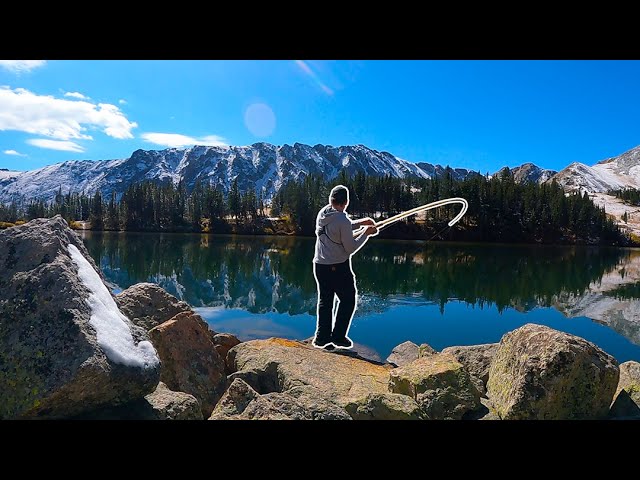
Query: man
x,y
332,268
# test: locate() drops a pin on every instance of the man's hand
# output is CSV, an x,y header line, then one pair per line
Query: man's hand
x,y
371,231
366,221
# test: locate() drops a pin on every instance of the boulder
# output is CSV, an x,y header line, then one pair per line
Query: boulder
x,y
165,404
277,365
162,404
477,360
234,401
627,398
385,406
148,305
224,342
541,373
407,352
190,362
241,402
65,347
440,385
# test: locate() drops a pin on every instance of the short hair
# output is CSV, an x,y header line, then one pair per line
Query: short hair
x,y
339,195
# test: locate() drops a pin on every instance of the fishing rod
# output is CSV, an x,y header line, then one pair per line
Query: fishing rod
x,y
422,208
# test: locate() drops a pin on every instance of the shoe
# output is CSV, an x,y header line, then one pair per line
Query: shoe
x,y
320,342
343,342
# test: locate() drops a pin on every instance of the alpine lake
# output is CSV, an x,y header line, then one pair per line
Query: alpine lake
x,y
428,292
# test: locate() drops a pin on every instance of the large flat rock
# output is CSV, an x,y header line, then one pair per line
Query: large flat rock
x,y
277,365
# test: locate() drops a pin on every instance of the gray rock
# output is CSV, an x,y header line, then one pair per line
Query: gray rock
x,y
439,384
317,404
627,400
190,362
275,406
234,401
477,360
162,404
541,373
407,352
165,404
385,406
148,305
241,402
52,364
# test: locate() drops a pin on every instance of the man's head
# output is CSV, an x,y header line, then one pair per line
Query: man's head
x,y
339,197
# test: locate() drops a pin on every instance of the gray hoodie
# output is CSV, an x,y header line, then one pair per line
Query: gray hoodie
x,y
335,242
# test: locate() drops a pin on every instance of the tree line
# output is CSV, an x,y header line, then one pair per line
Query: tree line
x,y
149,206
500,209
629,196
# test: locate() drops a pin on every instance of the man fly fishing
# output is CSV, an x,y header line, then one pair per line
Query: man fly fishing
x,y
335,244
332,269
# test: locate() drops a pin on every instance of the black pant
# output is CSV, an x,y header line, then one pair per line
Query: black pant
x,y
338,280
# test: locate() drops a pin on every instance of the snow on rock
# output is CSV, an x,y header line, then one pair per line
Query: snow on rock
x,y
113,334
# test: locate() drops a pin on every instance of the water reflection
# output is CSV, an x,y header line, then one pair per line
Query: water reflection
x,y
274,275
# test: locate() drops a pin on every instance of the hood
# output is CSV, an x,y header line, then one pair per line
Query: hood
x,y
327,215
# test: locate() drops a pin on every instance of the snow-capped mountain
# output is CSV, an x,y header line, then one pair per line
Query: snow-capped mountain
x,y
612,173
528,172
433,171
261,166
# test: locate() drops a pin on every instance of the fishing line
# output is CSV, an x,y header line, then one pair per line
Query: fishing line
x,y
422,208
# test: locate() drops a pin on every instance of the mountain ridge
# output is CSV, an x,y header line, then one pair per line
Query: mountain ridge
x,y
262,166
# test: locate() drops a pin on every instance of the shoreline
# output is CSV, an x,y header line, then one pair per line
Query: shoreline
x,y
376,239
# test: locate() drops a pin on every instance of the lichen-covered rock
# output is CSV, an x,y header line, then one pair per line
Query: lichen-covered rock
x,y
277,365
477,360
241,402
407,352
541,373
65,348
224,342
385,406
148,305
440,385
627,397
190,362
317,404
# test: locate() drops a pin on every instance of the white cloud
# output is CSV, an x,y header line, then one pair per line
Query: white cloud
x,y
122,101
63,145
13,152
58,118
76,95
178,140
19,66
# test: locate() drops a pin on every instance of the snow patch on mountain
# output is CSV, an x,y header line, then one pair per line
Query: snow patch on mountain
x,y
261,166
7,174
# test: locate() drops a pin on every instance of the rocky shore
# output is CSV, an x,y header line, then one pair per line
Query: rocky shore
x,y
70,349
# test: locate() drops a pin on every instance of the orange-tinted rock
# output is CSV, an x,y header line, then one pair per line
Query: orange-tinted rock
x,y
190,362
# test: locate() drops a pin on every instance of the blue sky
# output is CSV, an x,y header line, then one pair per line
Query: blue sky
x,y
475,114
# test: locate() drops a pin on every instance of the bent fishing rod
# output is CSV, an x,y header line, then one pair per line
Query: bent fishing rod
x,y
421,208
